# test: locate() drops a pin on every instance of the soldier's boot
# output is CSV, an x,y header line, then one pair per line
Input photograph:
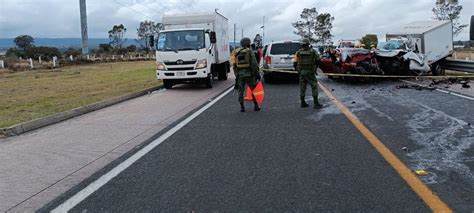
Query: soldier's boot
x,y
242,107
317,105
303,103
255,104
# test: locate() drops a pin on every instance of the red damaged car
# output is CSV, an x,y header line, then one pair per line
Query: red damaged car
x,y
350,61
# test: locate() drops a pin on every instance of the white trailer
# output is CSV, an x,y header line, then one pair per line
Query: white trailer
x,y
432,39
193,48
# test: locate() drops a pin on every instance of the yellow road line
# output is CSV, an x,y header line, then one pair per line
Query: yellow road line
x,y
425,193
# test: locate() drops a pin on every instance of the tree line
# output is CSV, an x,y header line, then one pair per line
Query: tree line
x,y
25,44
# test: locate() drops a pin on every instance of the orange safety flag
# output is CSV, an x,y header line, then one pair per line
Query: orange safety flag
x,y
258,92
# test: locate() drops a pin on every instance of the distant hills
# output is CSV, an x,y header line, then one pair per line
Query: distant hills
x,y
63,43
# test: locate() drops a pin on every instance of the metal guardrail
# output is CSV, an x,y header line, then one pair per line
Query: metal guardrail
x,y
459,65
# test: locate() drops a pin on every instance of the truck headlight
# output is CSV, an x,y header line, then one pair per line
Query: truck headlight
x,y
160,66
201,64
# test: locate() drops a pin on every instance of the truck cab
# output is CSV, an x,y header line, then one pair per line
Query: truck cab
x,y
186,53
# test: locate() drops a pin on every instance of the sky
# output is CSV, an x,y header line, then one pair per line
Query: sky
x,y
353,18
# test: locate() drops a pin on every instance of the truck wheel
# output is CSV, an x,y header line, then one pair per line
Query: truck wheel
x,y
267,78
223,75
168,83
209,81
437,69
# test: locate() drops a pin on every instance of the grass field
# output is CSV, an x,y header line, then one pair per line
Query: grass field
x,y
34,94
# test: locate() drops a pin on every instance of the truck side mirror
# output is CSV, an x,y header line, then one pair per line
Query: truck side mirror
x,y
152,41
212,36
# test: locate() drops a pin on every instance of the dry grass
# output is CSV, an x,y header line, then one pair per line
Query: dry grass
x,y
34,94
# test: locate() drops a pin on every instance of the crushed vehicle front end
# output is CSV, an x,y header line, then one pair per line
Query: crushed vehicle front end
x,y
350,61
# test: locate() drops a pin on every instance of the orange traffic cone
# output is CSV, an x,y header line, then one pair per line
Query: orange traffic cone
x,y
248,96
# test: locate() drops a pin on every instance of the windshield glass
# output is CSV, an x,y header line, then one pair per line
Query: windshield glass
x,y
180,40
284,48
390,45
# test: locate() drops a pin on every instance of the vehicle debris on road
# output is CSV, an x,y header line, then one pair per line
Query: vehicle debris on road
x,y
417,87
421,172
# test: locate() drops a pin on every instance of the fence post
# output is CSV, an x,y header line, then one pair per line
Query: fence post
x,y
2,64
21,60
54,61
88,57
121,56
113,57
39,59
31,62
71,58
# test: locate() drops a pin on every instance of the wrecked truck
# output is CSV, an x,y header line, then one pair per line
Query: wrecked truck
x,y
418,48
423,45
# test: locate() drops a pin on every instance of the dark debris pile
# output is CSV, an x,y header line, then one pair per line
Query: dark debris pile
x,y
451,81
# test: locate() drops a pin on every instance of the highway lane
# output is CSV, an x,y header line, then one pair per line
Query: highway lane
x,y
286,158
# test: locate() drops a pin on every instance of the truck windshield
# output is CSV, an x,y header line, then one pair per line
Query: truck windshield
x,y
180,40
390,45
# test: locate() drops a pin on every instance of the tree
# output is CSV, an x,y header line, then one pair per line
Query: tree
x,y
449,11
44,52
147,29
72,51
369,39
324,27
314,26
15,52
105,47
306,27
131,48
116,35
24,42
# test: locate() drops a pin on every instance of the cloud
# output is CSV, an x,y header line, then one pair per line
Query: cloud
x,y
353,18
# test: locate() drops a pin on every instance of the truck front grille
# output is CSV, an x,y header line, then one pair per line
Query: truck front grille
x,y
181,62
180,68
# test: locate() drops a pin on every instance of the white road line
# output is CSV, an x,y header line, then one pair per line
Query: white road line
x,y
94,186
443,91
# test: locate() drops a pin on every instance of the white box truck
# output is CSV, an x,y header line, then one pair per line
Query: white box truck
x,y
193,48
432,39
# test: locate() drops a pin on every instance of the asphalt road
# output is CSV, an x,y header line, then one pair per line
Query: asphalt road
x,y
285,158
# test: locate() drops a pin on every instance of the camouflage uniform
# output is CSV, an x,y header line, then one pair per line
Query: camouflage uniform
x,y
246,76
306,63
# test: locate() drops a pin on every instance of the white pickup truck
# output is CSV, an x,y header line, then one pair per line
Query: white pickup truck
x,y
193,48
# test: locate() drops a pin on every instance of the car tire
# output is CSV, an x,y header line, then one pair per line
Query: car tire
x,y
267,78
168,83
210,81
437,69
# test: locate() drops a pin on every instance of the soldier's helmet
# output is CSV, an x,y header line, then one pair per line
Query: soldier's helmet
x,y
245,42
305,41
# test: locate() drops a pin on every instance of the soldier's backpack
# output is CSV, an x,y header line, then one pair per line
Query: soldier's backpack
x,y
242,58
306,59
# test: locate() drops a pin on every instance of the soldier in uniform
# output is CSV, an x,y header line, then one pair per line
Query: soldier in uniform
x,y
306,62
246,71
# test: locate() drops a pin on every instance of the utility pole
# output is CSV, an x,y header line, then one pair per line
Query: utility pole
x,y
85,42
242,33
235,30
